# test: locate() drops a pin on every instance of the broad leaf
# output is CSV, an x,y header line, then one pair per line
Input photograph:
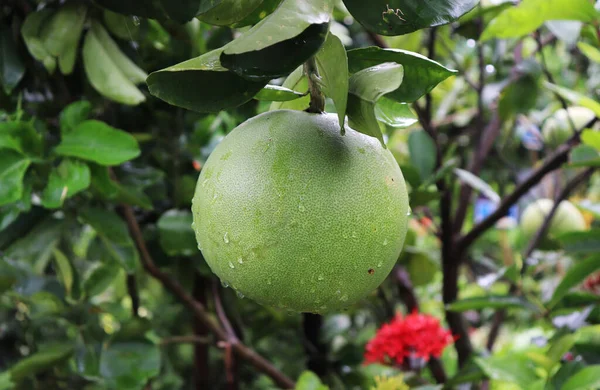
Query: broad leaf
x,y
477,184
181,11
559,348
586,379
589,51
266,8
230,12
67,274
215,88
591,138
422,153
585,156
576,274
101,279
22,137
276,93
281,42
176,235
40,362
108,70
581,242
310,381
394,114
296,81
31,31
332,63
515,368
96,141
421,74
365,88
114,235
62,32
66,180
397,17
12,69
529,15
13,166
489,302
74,114
129,365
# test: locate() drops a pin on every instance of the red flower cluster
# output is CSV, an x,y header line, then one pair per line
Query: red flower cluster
x,y
592,284
416,335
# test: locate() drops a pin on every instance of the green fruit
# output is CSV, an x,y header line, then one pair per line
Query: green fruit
x,y
294,215
558,129
566,219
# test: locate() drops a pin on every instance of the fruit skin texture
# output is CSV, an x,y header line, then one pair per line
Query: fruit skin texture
x,y
292,214
566,219
557,129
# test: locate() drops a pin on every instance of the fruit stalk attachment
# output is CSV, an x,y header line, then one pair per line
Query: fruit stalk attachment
x,y
317,99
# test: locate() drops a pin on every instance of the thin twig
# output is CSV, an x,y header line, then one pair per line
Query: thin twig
x,y
197,308
500,315
317,99
186,340
231,336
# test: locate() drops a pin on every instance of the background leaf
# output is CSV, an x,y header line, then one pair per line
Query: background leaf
x,y
332,63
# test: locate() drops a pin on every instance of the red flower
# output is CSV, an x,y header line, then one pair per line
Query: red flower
x,y
414,336
592,284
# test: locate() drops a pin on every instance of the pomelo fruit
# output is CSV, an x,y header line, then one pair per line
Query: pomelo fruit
x,y
557,129
566,219
293,215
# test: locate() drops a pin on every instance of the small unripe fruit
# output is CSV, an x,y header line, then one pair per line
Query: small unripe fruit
x,y
294,215
558,129
566,219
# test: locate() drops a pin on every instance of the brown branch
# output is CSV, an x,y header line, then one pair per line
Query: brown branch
x,y
231,336
132,290
198,309
500,315
185,340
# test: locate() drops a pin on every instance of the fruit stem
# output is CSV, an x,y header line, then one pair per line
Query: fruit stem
x,y
317,100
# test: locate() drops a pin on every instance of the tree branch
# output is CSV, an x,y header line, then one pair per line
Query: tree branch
x,y
132,290
197,308
317,100
500,315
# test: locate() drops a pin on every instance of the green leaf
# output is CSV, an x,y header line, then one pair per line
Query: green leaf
x,y
215,88
266,8
276,93
12,69
519,97
398,17
366,87
575,97
67,274
296,81
394,114
101,279
180,11
73,115
108,70
489,302
529,15
176,235
66,180
229,12
576,274
280,42
64,28
5,381
31,31
98,142
22,137
114,235
310,381
421,268
477,184
589,51
559,348
421,74
118,193
591,138
332,63
35,248
40,362
587,378
587,242
129,365
422,153
515,368
584,156
13,166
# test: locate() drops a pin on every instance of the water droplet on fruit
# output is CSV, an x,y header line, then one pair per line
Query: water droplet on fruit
x,y
205,182
345,235
354,235
193,225
269,282
321,277
231,265
224,284
379,264
323,307
240,260
385,242
344,298
313,290
301,208
409,212
239,294
338,292
226,238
